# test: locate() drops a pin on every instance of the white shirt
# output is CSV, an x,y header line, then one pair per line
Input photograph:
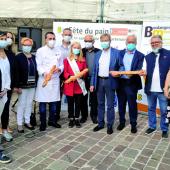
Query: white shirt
x,y
104,63
155,85
5,71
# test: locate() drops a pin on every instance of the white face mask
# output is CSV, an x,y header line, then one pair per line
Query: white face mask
x,y
155,50
67,38
51,43
88,45
9,41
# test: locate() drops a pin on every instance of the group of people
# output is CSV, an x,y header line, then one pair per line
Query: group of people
x,y
86,76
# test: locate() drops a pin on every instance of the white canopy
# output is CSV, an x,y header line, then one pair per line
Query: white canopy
x,y
30,12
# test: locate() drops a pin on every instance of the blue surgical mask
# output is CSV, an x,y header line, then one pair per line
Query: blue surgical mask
x,y
3,44
26,49
76,51
131,47
105,44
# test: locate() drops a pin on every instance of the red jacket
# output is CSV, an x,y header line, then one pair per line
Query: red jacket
x,y
73,87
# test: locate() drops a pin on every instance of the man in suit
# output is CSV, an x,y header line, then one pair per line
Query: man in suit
x,y
89,52
104,83
132,60
156,68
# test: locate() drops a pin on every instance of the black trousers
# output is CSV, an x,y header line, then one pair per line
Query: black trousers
x,y
74,103
5,113
127,94
92,103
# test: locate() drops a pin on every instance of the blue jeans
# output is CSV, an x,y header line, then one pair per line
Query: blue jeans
x,y
152,102
104,90
52,112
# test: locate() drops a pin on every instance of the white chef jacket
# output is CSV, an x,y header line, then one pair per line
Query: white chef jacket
x,y
46,58
6,80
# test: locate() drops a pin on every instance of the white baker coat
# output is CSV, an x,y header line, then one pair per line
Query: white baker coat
x,y
46,58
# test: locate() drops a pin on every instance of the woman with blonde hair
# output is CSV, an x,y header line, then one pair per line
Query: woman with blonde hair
x,y
25,83
74,90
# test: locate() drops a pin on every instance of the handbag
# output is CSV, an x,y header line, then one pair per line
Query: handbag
x,y
33,120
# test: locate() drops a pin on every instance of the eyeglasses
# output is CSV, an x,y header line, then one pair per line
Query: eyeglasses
x,y
51,38
87,41
155,43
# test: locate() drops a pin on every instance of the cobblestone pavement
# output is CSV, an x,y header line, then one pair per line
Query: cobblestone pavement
x,y
81,148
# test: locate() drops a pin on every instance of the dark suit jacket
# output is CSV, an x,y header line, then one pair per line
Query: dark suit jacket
x,y
114,65
137,63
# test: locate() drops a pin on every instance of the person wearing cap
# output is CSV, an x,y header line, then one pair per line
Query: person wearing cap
x,y
89,52
48,57
5,82
6,131
25,75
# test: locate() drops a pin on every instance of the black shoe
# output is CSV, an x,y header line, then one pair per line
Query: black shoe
x,y
77,123
21,131
42,128
56,125
164,134
97,128
71,123
121,126
109,131
94,120
28,126
4,159
134,129
149,131
83,120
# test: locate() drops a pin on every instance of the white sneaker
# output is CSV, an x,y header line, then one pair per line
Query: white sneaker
x,y
8,137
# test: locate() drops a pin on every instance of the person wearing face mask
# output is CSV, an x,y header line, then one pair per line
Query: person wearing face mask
x,y
4,85
47,57
132,60
25,78
89,52
5,114
75,90
65,49
104,83
155,68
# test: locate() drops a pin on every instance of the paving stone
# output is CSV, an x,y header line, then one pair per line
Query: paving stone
x,y
156,156
72,168
24,159
80,162
58,165
28,165
39,167
149,168
108,160
88,155
81,138
147,152
101,167
138,165
142,159
138,146
104,152
36,152
66,148
117,167
119,148
152,163
89,142
124,161
166,160
95,149
57,155
81,148
131,153
94,162
163,166
71,156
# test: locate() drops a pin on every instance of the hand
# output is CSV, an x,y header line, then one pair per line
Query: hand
x,y
91,88
115,73
142,73
73,78
18,90
3,92
57,70
166,93
129,75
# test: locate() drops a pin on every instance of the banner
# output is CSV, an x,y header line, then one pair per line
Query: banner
x,y
118,32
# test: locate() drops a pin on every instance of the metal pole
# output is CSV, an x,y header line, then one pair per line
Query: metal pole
x,y
101,10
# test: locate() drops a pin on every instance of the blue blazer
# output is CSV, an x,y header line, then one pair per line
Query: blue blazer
x,y
114,66
164,66
137,63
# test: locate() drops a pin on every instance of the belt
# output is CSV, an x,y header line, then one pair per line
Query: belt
x,y
103,77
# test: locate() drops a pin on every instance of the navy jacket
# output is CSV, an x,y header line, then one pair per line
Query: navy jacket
x,y
164,66
21,71
114,66
137,63
0,81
